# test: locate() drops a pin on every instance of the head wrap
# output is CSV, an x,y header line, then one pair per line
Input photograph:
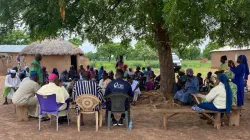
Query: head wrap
x,y
33,74
54,70
43,68
52,76
229,75
12,71
182,70
125,66
190,72
229,95
243,59
209,74
100,73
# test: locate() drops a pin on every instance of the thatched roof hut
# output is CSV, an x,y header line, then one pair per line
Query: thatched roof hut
x,y
51,47
57,53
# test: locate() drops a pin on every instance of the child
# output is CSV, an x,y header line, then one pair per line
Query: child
x,y
200,81
135,88
150,84
209,81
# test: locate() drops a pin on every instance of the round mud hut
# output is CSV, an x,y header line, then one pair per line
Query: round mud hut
x,y
58,53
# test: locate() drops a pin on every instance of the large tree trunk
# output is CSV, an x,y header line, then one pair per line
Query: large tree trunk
x,y
165,58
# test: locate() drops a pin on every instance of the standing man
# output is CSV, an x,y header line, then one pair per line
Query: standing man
x,y
25,95
12,82
36,66
118,86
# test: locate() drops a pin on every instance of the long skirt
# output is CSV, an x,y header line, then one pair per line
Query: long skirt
x,y
184,96
239,81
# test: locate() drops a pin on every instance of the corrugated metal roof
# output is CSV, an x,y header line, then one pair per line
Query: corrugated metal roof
x,y
229,48
11,48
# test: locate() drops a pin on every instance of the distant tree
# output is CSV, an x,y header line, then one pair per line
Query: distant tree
x,y
15,37
209,47
108,49
194,52
76,41
144,51
92,56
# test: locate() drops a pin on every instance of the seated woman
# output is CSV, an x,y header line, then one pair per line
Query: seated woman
x,y
209,81
220,97
191,87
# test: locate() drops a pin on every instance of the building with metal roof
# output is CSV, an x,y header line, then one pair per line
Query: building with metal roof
x,y
11,48
232,53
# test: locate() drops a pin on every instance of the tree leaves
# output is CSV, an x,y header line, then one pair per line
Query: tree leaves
x,y
16,37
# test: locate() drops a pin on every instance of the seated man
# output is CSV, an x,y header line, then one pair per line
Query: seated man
x,y
104,82
25,94
121,86
53,88
86,86
12,82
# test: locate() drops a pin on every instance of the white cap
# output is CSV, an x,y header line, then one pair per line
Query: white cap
x,y
182,70
12,71
26,67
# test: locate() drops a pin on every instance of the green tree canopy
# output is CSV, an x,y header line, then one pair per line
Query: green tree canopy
x,y
76,41
144,51
15,37
209,47
194,52
164,24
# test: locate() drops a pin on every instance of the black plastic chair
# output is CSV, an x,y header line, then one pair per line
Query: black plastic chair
x,y
118,102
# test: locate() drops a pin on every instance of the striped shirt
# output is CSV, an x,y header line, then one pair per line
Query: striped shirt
x,y
87,87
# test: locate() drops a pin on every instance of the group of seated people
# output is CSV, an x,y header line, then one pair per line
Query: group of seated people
x,y
225,90
24,92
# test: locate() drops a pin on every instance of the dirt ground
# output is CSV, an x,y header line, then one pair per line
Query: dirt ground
x,y
147,125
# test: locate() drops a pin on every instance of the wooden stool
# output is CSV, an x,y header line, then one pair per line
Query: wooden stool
x,y
22,113
234,117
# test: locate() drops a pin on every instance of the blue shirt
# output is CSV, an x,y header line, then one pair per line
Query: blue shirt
x,y
119,85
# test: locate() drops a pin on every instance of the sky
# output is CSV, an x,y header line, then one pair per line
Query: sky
x,y
88,47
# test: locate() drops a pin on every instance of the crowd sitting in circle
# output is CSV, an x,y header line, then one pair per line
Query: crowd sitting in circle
x,y
225,89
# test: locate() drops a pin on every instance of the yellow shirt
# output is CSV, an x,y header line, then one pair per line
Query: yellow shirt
x,y
52,88
223,67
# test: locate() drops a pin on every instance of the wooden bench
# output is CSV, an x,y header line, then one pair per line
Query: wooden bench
x,y
22,113
168,113
234,116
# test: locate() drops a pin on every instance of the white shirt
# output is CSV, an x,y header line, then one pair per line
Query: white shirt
x,y
217,95
25,79
12,82
52,88
134,85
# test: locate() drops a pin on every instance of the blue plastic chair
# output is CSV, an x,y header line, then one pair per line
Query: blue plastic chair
x,y
49,106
